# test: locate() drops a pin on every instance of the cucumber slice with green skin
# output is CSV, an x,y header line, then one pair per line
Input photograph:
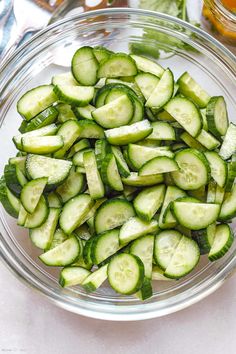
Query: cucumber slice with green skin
x,y
147,83
104,246
54,200
35,101
186,114
90,129
83,232
81,145
143,248
141,181
211,192
84,66
163,91
185,258
42,144
117,65
148,201
41,166
71,276
23,126
217,116
204,119
116,113
84,112
73,185
101,53
110,173
39,216
58,237
146,290
87,251
45,131
165,244
139,155
102,148
147,65
69,131
32,192
207,140
74,211
121,163
231,174
210,233
64,79
128,133
222,242
162,131
202,240
158,274
191,142
63,254
78,158
42,236
14,178
9,201
132,85
191,89
135,228
48,116
19,162
228,146
157,165
95,279
95,185
125,273
112,214
22,216
194,169
76,95
219,170
65,112
101,94
220,193
195,216
228,208
178,147
89,217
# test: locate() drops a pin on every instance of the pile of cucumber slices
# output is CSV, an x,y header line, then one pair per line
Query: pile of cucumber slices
x,y
122,173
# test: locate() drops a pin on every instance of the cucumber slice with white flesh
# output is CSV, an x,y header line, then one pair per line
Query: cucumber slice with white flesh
x,y
228,208
71,276
157,165
42,144
116,113
19,162
102,148
129,133
104,246
95,279
219,169
117,65
147,83
141,181
95,185
54,200
90,129
63,254
87,250
84,112
211,192
194,169
207,140
9,201
69,132
73,185
42,236
48,116
192,142
74,211
110,173
191,89
32,192
22,216
143,248
64,79
217,116
228,147
14,178
125,273
58,237
185,258
222,242
147,65
162,131
65,112
101,53
136,227
89,217
231,169
75,95
81,145
78,158
195,216
148,201
165,244
35,101
163,91
186,114
84,66
123,168
139,155
39,216
41,166
158,274
112,214
45,131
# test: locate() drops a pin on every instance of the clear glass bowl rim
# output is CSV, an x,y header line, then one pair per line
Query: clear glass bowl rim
x,y
112,312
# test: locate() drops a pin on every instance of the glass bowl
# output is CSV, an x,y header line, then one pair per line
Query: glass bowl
x,y
35,63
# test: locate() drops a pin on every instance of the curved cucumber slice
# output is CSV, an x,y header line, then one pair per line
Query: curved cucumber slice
x,y
165,245
39,216
95,185
104,246
163,91
228,146
73,185
162,164
147,65
148,201
9,201
135,227
121,163
32,192
219,170
223,240
84,66
90,129
42,144
228,208
95,279
141,181
69,132
117,65
48,116
146,83
162,131
110,173
64,79
71,276
77,95
143,248
217,116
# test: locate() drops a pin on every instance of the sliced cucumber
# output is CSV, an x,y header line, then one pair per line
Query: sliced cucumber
x,y
110,173
95,185
9,201
207,140
73,185
42,144
48,116
75,95
64,79
147,65
162,131
22,216
81,145
58,237
141,181
84,112
202,240
84,66
136,227
39,216
69,132
19,162
165,245
123,168
117,65
228,208
78,158
231,174
228,146
143,248
146,83
32,192
217,116
158,274
148,201
95,279
161,164
192,142
101,53
219,170
163,91
104,246
222,242
65,112
102,148
146,290
71,276
14,178
90,129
